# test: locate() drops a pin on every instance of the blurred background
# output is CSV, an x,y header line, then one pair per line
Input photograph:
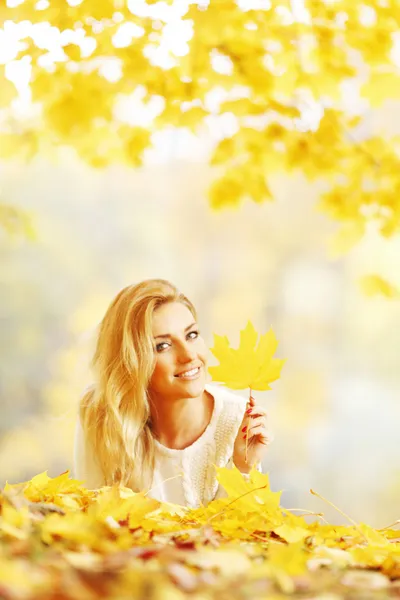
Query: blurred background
x,y
335,412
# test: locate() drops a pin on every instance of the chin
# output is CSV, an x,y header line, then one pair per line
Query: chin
x,y
198,389
195,387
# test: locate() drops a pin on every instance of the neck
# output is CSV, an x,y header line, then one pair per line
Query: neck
x,y
178,423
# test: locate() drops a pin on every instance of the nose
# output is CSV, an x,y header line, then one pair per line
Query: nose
x,y
185,353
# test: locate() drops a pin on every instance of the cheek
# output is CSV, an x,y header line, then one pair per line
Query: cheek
x,y
162,370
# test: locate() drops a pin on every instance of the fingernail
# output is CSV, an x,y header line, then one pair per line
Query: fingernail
x,y
244,437
244,428
248,411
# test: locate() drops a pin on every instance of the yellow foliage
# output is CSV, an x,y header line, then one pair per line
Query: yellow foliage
x,y
16,222
269,67
73,51
292,533
133,508
8,91
344,239
375,285
381,86
263,500
292,559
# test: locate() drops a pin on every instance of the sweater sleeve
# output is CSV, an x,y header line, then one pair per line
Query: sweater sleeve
x,y
86,468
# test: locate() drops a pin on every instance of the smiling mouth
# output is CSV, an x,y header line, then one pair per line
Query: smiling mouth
x,y
191,374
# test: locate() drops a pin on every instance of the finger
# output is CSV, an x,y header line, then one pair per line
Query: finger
x,y
254,423
254,426
252,413
256,411
261,432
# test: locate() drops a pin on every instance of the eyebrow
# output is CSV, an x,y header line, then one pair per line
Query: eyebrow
x,y
168,335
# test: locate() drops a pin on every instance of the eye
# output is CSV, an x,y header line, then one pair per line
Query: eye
x,y
193,334
162,346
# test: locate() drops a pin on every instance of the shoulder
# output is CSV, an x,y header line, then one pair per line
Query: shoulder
x,y
85,402
224,394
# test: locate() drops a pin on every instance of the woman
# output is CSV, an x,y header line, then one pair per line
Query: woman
x,y
150,422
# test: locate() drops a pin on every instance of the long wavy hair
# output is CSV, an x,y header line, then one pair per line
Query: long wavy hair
x,y
115,410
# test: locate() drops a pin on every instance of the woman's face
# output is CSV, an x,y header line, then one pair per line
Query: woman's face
x,y
180,351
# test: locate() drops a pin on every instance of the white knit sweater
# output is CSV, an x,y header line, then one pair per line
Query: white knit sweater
x,y
192,469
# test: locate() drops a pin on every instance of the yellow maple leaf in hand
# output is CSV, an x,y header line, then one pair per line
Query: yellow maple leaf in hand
x,y
250,366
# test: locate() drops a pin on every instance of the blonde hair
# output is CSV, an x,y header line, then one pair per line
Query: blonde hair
x,y
115,411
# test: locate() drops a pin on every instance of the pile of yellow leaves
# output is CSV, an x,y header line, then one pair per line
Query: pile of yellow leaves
x,y
60,541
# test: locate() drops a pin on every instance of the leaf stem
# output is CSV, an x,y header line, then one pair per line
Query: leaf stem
x,y
340,511
247,431
164,481
334,506
305,513
390,526
221,512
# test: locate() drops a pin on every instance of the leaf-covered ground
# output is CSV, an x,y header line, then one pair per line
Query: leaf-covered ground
x,y
59,541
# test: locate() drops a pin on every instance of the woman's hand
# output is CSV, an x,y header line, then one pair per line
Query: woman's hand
x,y
255,420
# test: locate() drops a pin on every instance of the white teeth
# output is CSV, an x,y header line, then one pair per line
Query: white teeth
x,y
190,373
